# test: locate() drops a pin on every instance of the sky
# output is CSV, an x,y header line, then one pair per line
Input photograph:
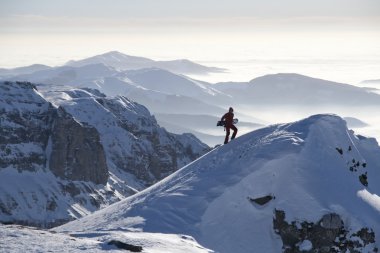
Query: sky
x,y
249,37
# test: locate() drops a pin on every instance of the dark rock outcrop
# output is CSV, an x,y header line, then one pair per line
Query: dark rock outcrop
x,y
325,236
126,246
77,153
262,200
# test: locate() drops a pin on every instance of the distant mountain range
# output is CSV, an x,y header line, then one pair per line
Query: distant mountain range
x,y
121,61
22,70
374,81
166,92
295,89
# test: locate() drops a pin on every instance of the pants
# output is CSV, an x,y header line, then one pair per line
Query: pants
x,y
228,133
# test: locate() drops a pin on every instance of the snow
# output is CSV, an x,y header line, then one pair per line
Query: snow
x,y
24,239
370,198
31,191
297,163
305,245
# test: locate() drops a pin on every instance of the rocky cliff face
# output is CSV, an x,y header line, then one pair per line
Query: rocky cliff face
x,y
25,126
327,235
64,160
77,153
133,141
154,153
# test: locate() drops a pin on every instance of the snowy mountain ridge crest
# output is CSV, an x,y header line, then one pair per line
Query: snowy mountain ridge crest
x,y
315,175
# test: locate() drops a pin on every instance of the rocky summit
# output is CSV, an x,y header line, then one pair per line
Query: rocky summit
x,y
64,156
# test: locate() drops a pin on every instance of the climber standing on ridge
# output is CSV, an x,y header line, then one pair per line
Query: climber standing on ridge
x,y
229,119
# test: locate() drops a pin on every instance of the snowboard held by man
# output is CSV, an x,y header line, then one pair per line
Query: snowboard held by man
x,y
228,118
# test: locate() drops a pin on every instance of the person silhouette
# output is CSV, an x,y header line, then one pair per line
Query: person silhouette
x,y
228,118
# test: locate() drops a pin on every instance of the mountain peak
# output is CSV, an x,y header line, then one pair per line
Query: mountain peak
x,y
122,61
308,168
283,77
113,53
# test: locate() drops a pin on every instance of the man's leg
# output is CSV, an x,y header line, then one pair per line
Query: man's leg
x,y
227,135
235,132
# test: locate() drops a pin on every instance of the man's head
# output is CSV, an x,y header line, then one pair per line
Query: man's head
x,y
231,109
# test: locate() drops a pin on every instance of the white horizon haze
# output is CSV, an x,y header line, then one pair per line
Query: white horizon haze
x,y
337,40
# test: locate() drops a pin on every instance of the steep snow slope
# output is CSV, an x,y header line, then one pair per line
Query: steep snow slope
x,y
319,178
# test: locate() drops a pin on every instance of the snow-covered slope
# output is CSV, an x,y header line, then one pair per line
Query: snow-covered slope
x,y
306,185
18,239
63,159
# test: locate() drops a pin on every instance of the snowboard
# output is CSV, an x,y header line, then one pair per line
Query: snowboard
x,y
223,123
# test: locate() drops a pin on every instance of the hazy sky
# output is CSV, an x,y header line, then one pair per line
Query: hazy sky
x,y
195,8
97,15
284,35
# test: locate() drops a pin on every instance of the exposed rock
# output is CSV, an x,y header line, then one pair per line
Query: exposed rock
x,y
77,153
126,246
25,126
340,150
327,235
366,235
262,200
364,179
354,165
139,146
331,221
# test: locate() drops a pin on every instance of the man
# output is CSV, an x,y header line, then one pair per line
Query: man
x,y
229,118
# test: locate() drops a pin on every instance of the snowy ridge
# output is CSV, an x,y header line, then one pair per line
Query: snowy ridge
x,y
308,170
